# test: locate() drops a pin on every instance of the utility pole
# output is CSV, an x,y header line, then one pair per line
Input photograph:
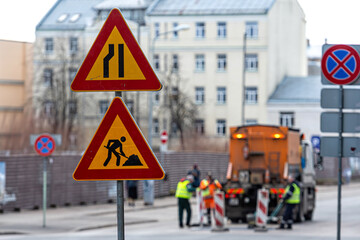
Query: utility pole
x,y
243,83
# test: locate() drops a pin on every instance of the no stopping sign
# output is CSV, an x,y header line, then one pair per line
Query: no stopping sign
x,y
44,145
340,64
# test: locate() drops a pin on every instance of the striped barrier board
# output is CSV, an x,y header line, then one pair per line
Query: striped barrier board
x,y
219,215
262,208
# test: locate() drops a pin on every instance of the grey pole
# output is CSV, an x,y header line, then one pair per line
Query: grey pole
x,y
44,190
341,106
243,84
120,201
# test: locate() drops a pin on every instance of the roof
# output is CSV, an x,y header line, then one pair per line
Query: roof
x,y
123,4
297,89
207,7
69,15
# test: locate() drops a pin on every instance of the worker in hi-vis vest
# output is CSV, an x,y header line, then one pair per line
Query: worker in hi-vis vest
x,y
208,187
183,193
291,199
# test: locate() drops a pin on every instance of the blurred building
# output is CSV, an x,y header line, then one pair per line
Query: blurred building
x,y
296,103
63,38
15,92
207,61
206,71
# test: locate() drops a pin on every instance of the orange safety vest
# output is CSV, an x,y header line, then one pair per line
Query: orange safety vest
x,y
208,192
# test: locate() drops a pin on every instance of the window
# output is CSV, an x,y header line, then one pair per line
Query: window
x,y
174,128
72,105
156,61
49,108
73,45
175,33
287,119
49,45
156,29
199,62
200,30
251,62
251,95
48,77
199,126
175,65
75,17
103,104
221,127
156,96
250,121
156,128
72,74
62,17
251,29
221,29
221,95
199,95
221,62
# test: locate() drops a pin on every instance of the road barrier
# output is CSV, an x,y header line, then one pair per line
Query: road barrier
x,y
200,206
219,215
262,209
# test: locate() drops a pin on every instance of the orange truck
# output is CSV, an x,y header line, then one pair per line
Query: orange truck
x,y
262,156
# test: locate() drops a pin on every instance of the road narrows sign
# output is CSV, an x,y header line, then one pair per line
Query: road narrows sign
x,y
340,64
118,150
115,62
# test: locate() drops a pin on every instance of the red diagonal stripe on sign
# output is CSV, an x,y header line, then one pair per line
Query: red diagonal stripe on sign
x,y
341,64
262,207
219,210
259,220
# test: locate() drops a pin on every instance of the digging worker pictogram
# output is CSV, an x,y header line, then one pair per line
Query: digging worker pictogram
x,y
112,145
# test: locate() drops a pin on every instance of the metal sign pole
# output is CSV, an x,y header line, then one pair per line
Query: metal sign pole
x,y
44,189
341,105
120,209
120,200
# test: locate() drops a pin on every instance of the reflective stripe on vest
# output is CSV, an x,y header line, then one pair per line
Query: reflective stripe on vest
x,y
295,197
182,191
206,191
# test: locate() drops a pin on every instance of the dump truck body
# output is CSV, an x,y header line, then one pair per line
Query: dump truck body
x,y
262,157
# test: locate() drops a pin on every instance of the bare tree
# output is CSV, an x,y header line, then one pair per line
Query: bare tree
x,y
181,109
56,105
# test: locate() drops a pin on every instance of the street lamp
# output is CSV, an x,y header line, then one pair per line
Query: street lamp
x,y
181,27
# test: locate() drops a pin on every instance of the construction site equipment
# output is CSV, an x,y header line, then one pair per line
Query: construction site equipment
x,y
262,156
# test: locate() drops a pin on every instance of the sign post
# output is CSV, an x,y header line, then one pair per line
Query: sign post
x,y
44,146
340,65
115,62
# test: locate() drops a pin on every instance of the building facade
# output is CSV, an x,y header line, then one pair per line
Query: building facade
x,y
15,84
214,77
218,65
63,38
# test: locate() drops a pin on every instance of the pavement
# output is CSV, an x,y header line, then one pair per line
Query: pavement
x,y
75,218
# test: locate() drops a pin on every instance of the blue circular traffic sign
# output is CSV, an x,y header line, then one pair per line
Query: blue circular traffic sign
x,y
340,64
44,145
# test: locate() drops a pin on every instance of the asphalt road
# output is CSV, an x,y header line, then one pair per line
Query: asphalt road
x,y
161,224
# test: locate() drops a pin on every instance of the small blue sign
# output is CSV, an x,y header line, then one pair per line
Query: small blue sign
x,y
44,145
315,140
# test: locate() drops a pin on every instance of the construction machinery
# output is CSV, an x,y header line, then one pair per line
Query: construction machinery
x,y
263,156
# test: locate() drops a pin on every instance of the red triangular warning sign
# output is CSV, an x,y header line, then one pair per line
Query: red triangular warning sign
x,y
115,61
118,150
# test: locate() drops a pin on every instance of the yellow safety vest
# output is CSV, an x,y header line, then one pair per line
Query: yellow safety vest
x,y
295,197
206,191
182,191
